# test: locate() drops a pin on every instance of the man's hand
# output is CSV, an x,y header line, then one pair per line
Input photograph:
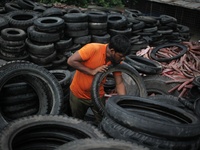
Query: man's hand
x,y
103,68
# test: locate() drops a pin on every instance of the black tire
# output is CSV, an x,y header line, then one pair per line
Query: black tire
x,y
39,8
97,16
76,33
115,130
43,59
11,49
16,109
52,12
147,19
42,37
157,48
108,144
165,19
45,132
42,49
24,56
150,29
13,34
26,4
63,76
13,89
97,26
127,32
99,32
82,39
63,44
51,84
12,55
74,10
117,21
11,43
144,65
171,100
59,60
124,68
10,6
76,26
19,99
153,117
75,17
22,19
101,39
49,24
38,95
139,25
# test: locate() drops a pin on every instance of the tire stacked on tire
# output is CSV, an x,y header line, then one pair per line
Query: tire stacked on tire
x,y
118,24
98,26
41,38
76,27
168,28
184,32
151,123
13,45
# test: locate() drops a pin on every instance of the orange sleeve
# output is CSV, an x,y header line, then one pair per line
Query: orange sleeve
x,y
87,51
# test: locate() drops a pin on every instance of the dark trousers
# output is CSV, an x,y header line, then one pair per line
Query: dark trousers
x,y
80,106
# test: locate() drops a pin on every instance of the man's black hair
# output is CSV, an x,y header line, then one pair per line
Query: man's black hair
x,y
121,44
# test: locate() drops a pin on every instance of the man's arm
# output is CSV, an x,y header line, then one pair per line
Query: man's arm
x,y
75,62
120,87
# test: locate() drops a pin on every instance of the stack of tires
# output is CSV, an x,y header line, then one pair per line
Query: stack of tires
x,y
156,125
13,45
27,89
76,27
98,26
41,38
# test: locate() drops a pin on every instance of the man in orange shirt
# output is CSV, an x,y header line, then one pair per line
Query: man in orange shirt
x,y
88,61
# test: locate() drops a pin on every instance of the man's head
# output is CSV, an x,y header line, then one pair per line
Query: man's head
x,y
119,46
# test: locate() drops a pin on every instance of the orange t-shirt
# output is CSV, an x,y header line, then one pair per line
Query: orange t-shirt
x,y
93,55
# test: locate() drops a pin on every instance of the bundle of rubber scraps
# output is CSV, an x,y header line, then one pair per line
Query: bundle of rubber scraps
x,y
180,62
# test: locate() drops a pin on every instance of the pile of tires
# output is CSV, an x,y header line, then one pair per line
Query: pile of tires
x,y
37,39
62,31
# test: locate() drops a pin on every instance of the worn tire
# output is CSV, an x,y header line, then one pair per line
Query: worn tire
x,y
45,132
124,68
88,144
152,117
16,68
